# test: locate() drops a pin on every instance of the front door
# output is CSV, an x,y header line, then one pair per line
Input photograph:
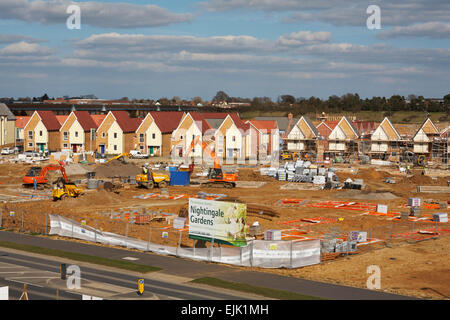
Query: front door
x,y
151,150
42,147
74,148
102,148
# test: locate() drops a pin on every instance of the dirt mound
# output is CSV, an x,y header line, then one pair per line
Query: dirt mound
x,y
423,180
100,197
372,175
252,175
116,168
75,169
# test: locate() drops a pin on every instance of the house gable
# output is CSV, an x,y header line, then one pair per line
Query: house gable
x,y
390,130
421,136
337,134
379,135
347,128
429,128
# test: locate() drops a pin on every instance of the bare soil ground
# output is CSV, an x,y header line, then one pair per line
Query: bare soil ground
x,y
420,269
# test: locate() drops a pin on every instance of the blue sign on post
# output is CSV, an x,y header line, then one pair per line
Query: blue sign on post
x,y
35,184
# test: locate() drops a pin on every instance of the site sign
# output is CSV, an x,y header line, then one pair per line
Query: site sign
x,y
225,222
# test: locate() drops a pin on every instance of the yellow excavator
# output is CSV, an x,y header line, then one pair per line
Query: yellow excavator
x,y
120,156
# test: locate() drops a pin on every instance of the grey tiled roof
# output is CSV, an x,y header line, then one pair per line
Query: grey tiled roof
x,y
4,111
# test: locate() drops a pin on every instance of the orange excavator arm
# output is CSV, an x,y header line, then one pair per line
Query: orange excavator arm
x,y
41,178
205,146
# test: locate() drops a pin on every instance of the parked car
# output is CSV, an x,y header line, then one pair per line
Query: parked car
x,y
7,151
136,154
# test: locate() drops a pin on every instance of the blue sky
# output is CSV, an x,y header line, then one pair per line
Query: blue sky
x,y
247,48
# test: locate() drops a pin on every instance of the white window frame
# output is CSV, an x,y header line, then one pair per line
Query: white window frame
x,y
65,135
30,134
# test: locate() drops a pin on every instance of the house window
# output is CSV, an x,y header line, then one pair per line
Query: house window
x,y
76,134
153,136
115,135
30,144
65,135
103,134
181,137
92,134
141,137
115,147
141,147
30,134
40,133
233,138
65,145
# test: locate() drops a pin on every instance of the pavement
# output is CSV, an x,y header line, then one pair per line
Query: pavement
x,y
183,270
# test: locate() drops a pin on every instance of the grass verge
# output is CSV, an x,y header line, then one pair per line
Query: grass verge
x,y
265,292
81,257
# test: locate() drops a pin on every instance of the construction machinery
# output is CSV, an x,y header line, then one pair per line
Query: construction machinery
x,y
66,190
151,180
120,156
216,177
289,155
38,175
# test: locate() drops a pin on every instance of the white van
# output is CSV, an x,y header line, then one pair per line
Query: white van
x,y
136,154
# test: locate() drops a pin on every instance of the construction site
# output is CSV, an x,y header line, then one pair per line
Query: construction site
x,y
359,214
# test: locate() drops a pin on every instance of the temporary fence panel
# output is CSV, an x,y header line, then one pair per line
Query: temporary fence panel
x,y
258,253
4,293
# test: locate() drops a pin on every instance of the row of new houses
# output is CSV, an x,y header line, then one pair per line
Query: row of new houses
x,y
161,133
158,134
343,137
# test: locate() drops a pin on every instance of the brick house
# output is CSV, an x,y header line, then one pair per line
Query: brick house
x,y
155,132
117,133
77,133
42,132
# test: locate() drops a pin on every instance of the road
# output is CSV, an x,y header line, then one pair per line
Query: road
x,y
185,269
43,279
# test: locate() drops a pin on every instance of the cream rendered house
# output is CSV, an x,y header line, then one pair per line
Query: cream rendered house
x,y
7,125
190,127
78,132
117,133
424,137
230,138
385,138
303,136
343,138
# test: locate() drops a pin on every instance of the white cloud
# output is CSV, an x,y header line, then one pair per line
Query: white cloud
x,y
25,49
99,14
436,30
303,37
11,38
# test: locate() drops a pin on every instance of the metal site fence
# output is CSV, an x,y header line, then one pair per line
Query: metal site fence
x,y
163,238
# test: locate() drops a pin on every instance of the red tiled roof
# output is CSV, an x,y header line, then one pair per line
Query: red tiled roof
x,y
326,127
22,121
62,119
126,123
49,120
85,120
364,126
98,118
167,121
199,118
239,122
267,125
